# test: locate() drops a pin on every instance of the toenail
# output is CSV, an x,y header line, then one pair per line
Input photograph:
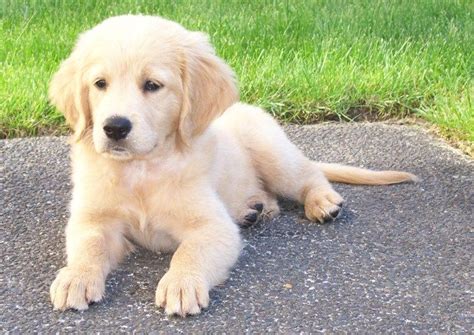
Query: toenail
x,y
258,207
335,213
251,217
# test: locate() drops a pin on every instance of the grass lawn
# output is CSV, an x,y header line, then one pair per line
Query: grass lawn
x,y
304,61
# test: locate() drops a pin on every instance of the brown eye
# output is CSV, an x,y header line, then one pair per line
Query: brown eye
x,y
151,86
101,84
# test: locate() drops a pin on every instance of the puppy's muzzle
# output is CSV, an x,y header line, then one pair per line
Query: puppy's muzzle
x,y
117,128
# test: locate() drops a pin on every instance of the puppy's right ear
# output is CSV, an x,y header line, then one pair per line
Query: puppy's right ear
x,y
70,96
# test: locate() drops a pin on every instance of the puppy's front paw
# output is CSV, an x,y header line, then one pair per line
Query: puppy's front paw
x,y
76,287
182,293
322,205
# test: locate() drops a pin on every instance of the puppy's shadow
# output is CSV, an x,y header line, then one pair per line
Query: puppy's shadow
x,y
136,278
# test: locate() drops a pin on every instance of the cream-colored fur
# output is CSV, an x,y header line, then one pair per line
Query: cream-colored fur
x,y
184,176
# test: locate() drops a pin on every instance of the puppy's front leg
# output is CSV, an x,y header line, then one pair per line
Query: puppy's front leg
x,y
93,248
210,245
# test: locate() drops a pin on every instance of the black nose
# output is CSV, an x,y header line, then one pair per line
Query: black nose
x,y
117,128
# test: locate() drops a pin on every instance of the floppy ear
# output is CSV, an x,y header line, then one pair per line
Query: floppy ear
x,y
209,87
70,96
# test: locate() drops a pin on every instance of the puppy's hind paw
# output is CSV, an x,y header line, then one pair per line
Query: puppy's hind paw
x,y
323,206
257,210
250,218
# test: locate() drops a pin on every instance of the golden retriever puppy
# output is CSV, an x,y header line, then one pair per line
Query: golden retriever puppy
x,y
155,163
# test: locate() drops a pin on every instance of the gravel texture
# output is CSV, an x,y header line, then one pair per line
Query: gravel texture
x,y
398,260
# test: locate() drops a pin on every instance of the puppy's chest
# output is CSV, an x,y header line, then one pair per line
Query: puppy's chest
x,y
141,178
147,191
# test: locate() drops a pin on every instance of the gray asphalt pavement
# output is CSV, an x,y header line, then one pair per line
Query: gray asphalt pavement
x,y
398,260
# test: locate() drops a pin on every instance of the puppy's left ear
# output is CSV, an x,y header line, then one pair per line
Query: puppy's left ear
x,y
209,87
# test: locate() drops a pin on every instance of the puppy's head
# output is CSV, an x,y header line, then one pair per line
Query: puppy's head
x,y
137,84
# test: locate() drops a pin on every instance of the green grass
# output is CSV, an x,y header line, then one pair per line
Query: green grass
x,y
304,61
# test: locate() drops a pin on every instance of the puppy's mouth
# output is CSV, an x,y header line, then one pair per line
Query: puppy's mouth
x,y
118,153
121,153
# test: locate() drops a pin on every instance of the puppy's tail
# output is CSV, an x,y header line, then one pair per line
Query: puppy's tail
x,y
358,176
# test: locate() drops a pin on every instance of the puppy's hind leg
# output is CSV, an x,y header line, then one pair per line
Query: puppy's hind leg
x,y
281,165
